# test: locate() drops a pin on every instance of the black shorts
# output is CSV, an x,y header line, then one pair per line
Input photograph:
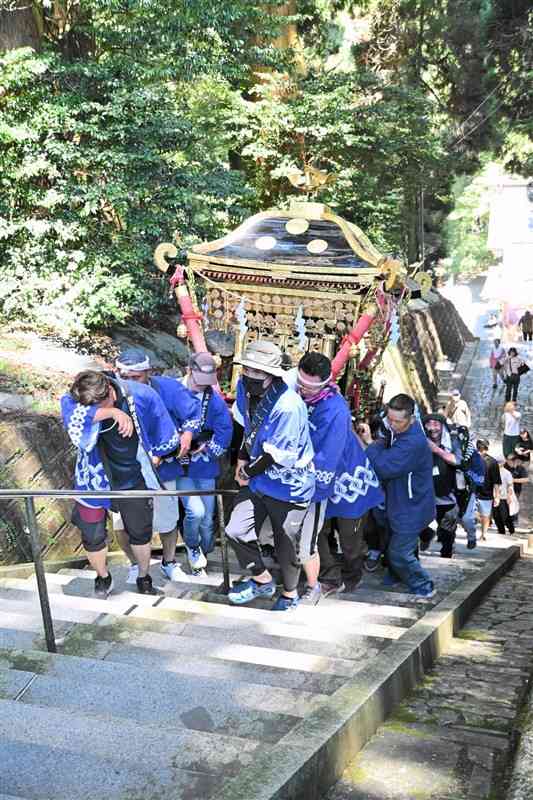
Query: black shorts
x,y
137,515
92,524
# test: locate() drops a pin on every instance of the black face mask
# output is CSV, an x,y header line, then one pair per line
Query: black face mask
x,y
254,386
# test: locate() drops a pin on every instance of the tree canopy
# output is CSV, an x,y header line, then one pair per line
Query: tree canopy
x,y
127,122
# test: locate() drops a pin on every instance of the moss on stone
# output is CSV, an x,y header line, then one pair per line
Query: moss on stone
x,y
26,660
404,714
394,726
81,641
475,635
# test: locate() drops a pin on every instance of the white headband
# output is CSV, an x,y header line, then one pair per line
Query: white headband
x,y
140,367
311,384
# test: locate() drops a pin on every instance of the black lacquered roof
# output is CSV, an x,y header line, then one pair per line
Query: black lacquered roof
x,y
290,248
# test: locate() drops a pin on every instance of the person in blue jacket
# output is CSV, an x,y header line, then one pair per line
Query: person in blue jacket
x,y
200,469
276,476
133,364
121,430
404,464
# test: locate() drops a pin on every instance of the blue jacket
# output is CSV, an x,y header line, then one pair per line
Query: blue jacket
x,y
218,419
330,424
284,434
158,434
184,410
356,487
406,470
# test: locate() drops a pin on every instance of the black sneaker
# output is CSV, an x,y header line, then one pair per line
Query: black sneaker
x,y
471,545
144,585
103,586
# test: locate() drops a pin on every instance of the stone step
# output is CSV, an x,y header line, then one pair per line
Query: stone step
x,y
28,605
50,772
370,613
188,646
320,656
289,676
119,602
346,615
146,696
120,574
314,675
334,615
125,741
317,643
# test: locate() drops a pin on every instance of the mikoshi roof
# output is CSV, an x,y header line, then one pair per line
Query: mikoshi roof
x,y
307,236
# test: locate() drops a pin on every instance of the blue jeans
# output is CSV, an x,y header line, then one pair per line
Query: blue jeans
x,y
198,526
403,562
468,519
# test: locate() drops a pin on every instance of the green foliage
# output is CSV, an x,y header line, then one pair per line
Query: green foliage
x,y
141,121
97,166
380,141
466,227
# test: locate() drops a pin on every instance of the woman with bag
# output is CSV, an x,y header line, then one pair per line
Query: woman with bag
x,y
513,367
496,358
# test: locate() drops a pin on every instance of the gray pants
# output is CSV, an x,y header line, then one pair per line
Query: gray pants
x,y
293,539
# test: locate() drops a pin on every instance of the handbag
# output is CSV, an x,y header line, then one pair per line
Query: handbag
x,y
523,369
514,505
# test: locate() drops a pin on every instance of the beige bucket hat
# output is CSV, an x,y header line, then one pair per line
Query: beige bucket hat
x,y
262,355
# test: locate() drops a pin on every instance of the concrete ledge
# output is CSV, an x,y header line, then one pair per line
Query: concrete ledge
x,y
304,763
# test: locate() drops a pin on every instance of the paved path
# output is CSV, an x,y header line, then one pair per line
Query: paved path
x,y
486,405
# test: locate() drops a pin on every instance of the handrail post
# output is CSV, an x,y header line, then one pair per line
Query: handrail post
x,y
39,573
226,586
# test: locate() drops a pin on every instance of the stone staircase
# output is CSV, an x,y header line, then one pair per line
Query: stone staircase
x,y
170,696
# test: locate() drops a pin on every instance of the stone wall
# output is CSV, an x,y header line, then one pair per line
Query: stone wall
x,y
432,333
35,454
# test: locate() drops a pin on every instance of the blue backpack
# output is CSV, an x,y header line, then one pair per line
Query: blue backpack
x,y
477,470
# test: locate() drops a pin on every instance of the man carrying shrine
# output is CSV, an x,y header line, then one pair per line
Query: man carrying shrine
x,y
276,476
122,430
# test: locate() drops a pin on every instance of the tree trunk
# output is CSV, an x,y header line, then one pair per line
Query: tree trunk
x,y
19,26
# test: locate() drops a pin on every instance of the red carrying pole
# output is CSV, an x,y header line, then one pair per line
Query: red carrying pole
x,y
354,337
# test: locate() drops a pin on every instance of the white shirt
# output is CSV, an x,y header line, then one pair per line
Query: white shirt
x,y
511,423
507,483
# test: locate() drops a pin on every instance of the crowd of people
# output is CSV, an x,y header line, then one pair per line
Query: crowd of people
x,y
319,497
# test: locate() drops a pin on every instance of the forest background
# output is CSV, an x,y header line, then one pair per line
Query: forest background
x,y
124,123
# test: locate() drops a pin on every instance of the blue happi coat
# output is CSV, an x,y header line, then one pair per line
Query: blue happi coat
x,y
284,434
356,488
218,419
158,433
330,424
184,410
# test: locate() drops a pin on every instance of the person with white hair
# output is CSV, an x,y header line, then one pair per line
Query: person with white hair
x,y
457,411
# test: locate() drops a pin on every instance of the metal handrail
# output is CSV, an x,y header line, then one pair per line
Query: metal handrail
x,y
29,496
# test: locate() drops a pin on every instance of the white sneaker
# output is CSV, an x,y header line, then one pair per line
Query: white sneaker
x,y
197,560
174,572
133,574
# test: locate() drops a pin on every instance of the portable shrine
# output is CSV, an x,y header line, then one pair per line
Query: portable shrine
x,y
296,277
